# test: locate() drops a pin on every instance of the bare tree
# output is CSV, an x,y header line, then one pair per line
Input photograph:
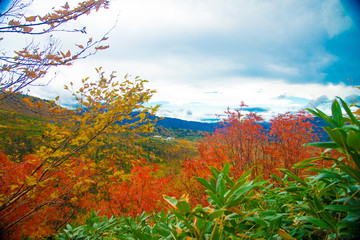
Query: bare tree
x,y
25,66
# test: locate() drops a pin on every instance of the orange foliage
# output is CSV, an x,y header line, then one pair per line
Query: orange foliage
x,y
142,191
52,200
289,132
72,191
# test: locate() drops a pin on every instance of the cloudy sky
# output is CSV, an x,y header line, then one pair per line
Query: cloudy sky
x,y
203,56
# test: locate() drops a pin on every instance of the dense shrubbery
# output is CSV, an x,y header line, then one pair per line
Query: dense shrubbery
x,y
324,205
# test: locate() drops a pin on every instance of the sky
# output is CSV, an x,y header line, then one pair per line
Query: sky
x,y
205,56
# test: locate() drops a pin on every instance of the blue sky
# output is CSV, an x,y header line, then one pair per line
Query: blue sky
x,y
205,56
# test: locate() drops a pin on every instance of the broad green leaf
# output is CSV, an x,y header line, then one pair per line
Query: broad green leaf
x,y
350,114
349,170
238,184
205,183
305,163
215,173
293,176
258,221
344,208
226,168
337,114
297,189
353,140
216,214
331,145
214,197
326,176
329,121
318,203
184,207
171,200
337,135
221,186
316,221
277,178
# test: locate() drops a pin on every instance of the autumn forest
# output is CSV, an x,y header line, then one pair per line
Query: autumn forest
x,y
105,169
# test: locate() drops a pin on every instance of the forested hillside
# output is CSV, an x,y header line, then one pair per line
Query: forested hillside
x,y
128,173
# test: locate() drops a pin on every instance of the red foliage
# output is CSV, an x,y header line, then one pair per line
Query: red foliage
x,y
72,191
245,143
289,132
50,195
142,191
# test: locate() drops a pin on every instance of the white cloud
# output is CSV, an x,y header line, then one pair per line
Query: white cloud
x,y
243,50
334,18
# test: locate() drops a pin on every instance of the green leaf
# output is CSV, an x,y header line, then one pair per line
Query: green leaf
x,y
344,208
349,170
277,178
353,140
316,221
214,197
337,135
337,114
305,163
238,184
293,176
215,173
331,145
296,189
323,116
215,214
240,194
350,114
221,186
226,168
205,183
171,200
184,207
259,221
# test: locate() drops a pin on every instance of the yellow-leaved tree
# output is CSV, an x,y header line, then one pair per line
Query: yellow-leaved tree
x,y
57,182
58,174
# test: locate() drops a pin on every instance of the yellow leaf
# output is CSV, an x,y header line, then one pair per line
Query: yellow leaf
x,y
28,102
236,210
284,235
102,47
27,29
39,104
142,115
31,180
14,23
54,195
12,187
50,56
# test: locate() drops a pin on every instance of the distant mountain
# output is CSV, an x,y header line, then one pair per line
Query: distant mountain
x,y
176,123
168,122
15,103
